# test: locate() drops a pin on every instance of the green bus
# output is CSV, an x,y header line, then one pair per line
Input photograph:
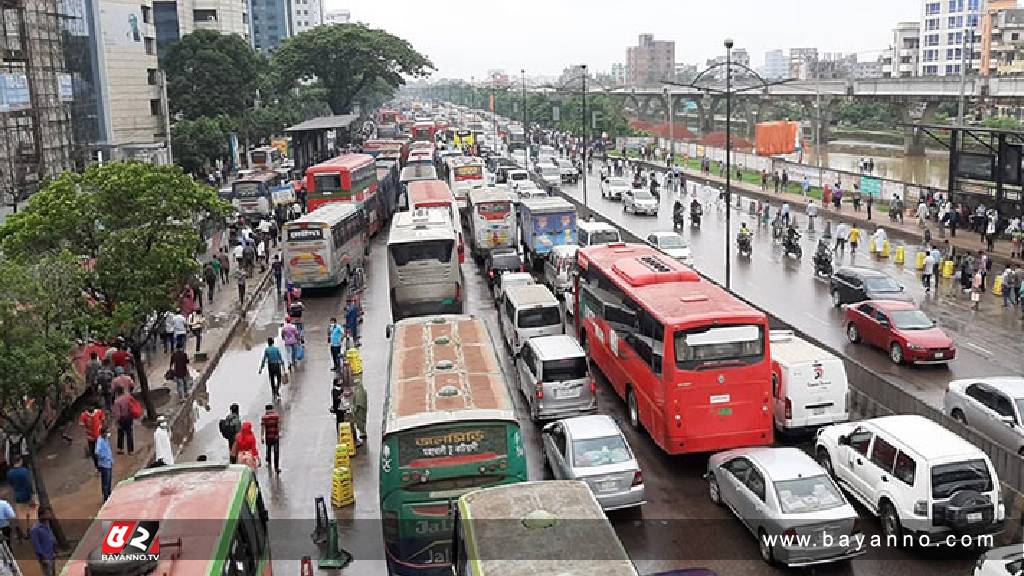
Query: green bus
x,y
449,428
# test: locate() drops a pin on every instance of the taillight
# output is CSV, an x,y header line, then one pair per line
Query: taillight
x,y
458,292
789,532
593,384
789,409
522,268
856,526
921,508
539,389
638,478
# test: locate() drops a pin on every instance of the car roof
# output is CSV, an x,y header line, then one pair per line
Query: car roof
x,y
595,226
512,276
593,426
934,441
664,233
786,463
530,295
891,305
862,272
556,347
1013,386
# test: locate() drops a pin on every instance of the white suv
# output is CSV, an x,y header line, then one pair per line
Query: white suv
x,y
922,480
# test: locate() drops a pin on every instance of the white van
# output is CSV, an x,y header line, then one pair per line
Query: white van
x,y
809,387
554,379
527,312
592,233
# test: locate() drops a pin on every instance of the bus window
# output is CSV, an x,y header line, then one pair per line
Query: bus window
x,y
327,182
439,250
240,561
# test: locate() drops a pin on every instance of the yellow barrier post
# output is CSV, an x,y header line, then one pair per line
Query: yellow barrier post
x,y
885,249
346,442
919,260
871,245
342,493
947,269
997,286
900,253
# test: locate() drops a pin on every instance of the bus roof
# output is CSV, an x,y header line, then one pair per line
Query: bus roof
x,y
478,195
673,293
547,527
192,503
261,176
443,369
328,213
422,192
419,225
343,162
418,172
464,160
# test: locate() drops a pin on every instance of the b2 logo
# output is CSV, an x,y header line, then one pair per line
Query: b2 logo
x,y
128,539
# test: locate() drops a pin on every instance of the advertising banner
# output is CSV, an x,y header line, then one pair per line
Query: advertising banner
x,y
121,24
14,93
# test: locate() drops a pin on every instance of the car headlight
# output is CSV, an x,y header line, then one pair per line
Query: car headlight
x,y
915,346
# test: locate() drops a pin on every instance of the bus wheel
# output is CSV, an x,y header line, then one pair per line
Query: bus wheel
x,y
634,413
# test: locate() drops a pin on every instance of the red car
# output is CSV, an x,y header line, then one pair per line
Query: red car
x,y
899,327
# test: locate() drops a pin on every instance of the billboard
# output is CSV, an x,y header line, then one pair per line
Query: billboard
x,y
14,94
65,87
121,24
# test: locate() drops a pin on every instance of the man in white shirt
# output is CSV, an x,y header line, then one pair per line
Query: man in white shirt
x,y
928,272
162,444
180,328
237,252
842,235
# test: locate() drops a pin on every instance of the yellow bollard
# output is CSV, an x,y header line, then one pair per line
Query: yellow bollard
x,y
871,245
900,252
885,249
346,443
342,493
919,260
997,285
947,269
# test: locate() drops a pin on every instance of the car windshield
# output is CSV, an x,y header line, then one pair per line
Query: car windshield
x,y
549,170
619,182
812,494
910,320
881,284
671,241
604,237
950,478
642,195
505,262
1020,405
540,317
599,452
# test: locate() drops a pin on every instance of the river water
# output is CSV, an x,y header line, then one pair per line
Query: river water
x,y
932,169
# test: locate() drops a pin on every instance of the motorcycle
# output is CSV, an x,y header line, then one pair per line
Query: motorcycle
x,y
678,218
777,230
823,263
791,245
695,218
744,246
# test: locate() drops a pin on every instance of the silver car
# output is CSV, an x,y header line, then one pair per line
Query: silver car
x,y
795,509
640,201
593,449
614,187
993,406
673,244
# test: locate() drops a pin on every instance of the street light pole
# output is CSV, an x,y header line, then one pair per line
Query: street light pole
x,y
671,126
583,166
523,73
728,158
962,103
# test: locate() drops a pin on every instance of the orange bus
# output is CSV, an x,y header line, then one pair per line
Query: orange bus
x,y
435,194
690,359
345,178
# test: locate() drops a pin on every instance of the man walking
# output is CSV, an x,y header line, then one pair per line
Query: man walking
x,y
180,328
225,265
927,272
869,202
842,235
278,268
240,279
20,481
273,361
7,515
125,414
92,421
105,462
359,406
210,276
335,337
162,444
229,426
270,427
352,321
179,372
44,544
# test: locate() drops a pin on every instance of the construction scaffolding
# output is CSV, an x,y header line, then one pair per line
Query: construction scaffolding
x,y
35,95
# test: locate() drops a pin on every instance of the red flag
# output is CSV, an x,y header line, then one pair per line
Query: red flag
x,y
492,102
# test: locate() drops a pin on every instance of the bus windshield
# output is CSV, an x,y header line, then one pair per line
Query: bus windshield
x,y
711,347
437,250
247,189
327,182
493,209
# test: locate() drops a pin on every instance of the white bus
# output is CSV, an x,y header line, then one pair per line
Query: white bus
x,y
324,247
492,221
424,274
464,174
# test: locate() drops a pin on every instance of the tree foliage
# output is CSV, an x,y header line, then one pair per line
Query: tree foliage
x,y
197,143
345,61
211,74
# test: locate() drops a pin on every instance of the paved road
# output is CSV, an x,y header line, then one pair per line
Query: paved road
x,y
678,527
988,341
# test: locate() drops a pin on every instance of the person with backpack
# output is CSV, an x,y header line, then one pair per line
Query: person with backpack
x,y
126,410
229,427
104,384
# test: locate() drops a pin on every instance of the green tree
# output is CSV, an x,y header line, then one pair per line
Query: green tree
x,y
38,311
138,226
345,60
211,74
198,143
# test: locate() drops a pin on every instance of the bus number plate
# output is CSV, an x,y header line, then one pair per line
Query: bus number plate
x,y
725,411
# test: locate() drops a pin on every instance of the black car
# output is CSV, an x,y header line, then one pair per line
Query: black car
x,y
855,284
501,260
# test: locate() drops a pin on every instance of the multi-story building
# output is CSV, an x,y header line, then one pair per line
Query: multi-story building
x,y
739,56
801,62
618,73
175,19
269,24
686,73
337,16
776,65
651,61
305,14
948,27
1000,36
901,60
571,75
867,69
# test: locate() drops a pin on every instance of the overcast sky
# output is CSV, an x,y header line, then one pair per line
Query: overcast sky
x,y
466,38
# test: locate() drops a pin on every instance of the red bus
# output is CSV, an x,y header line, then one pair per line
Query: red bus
x,y
435,194
387,116
377,146
424,132
346,178
691,360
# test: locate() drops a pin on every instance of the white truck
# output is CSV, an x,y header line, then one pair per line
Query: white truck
x,y
809,386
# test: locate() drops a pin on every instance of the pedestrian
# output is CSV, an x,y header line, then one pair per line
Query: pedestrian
x,y
229,427
359,408
292,341
984,267
775,180
163,451
868,203
278,268
104,461
842,236
785,213
927,272
1008,286
922,213
352,321
244,450
20,481
178,372
764,180
180,328
7,516
273,361
977,287
837,198
785,179
44,544
339,405
92,367
805,186
240,278
122,380
991,231
855,198
937,256
926,236
270,429
105,383
126,410
261,253
196,323
210,277
335,338
121,357
854,239
92,421
812,212
225,265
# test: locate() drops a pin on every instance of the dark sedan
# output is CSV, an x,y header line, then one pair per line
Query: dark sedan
x,y
855,284
501,260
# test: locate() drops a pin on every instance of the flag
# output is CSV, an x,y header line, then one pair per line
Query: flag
x,y
492,102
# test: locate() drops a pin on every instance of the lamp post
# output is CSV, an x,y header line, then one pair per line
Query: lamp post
x,y
728,161
671,126
583,166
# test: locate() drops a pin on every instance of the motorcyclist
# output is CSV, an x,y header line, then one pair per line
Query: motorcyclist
x,y
823,256
792,236
695,208
743,236
678,209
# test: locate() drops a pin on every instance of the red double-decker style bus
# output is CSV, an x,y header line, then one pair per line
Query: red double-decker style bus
x,y
346,178
690,360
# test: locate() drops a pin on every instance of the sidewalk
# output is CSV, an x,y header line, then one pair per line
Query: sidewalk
x,y
908,231
72,481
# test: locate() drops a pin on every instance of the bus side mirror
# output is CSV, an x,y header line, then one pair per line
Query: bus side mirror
x,y
388,330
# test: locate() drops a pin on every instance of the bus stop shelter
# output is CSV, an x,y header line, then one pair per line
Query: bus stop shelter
x,y
319,139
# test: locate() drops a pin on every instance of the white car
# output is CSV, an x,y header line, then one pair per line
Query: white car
x,y
1005,561
993,406
509,279
550,174
614,187
639,201
672,244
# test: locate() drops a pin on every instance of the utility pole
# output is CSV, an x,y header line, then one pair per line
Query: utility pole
x,y
962,104
671,126
728,162
583,166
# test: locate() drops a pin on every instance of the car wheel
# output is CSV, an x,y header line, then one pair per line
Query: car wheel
x,y
958,415
714,493
837,300
765,547
891,526
852,334
634,412
824,460
896,353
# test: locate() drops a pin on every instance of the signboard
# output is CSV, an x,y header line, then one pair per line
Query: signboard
x,y
65,87
305,234
121,24
420,445
14,94
556,113
871,186
633,142
976,166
